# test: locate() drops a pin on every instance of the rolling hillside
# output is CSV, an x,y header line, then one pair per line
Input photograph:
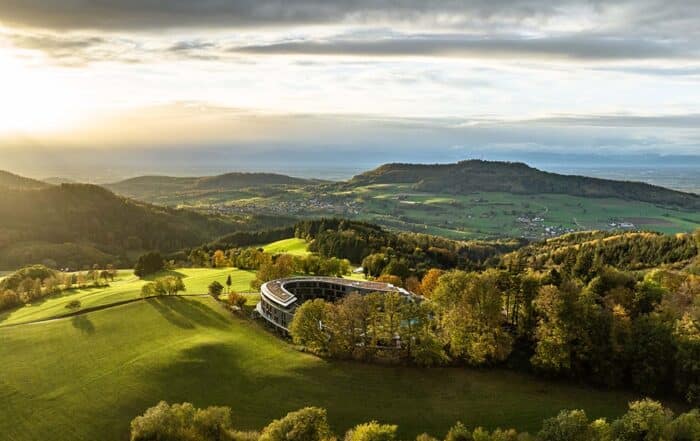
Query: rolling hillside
x,y
77,224
13,181
91,374
485,176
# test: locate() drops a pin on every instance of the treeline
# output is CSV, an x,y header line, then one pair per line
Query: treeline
x,y
615,328
645,420
268,266
354,240
33,283
249,238
583,253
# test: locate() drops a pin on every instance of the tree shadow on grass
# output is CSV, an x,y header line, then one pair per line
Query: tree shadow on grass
x,y
164,309
83,323
185,313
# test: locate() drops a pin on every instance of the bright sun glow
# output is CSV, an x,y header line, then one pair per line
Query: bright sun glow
x,y
34,99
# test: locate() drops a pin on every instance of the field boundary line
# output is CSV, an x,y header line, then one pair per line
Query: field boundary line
x,y
96,308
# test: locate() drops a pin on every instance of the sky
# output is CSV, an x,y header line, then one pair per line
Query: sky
x,y
216,83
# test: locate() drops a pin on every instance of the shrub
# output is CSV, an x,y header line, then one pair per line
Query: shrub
x,y
372,431
645,421
235,299
567,426
215,289
184,422
308,424
73,304
459,432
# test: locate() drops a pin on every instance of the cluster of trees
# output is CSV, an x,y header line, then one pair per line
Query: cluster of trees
x,y
377,325
35,282
285,265
645,420
617,329
244,258
269,266
581,254
163,286
356,240
254,258
149,263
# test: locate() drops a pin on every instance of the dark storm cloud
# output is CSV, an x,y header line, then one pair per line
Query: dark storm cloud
x,y
597,30
156,14
574,47
147,14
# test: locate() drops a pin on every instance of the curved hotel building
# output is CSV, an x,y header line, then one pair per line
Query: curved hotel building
x,y
279,299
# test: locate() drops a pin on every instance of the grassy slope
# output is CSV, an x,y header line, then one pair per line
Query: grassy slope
x,y
294,246
125,287
86,377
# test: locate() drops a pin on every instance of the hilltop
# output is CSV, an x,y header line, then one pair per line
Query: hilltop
x,y
13,181
471,176
150,188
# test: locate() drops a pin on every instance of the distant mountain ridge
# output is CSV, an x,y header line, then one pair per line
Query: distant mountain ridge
x,y
58,180
13,181
227,181
514,177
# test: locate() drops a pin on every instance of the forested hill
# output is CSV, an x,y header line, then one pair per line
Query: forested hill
x,y
145,185
512,177
10,180
78,224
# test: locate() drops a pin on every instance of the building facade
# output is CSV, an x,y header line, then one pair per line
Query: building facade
x,y
279,299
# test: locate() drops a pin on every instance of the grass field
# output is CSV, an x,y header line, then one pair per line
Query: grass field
x,y
496,214
125,287
295,246
461,216
86,377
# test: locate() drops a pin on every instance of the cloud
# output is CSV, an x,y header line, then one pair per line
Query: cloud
x,y
654,71
75,49
575,47
236,14
150,14
685,121
84,49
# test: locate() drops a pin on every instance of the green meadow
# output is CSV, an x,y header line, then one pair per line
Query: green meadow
x,y
491,214
85,377
467,216
125,287
294,246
